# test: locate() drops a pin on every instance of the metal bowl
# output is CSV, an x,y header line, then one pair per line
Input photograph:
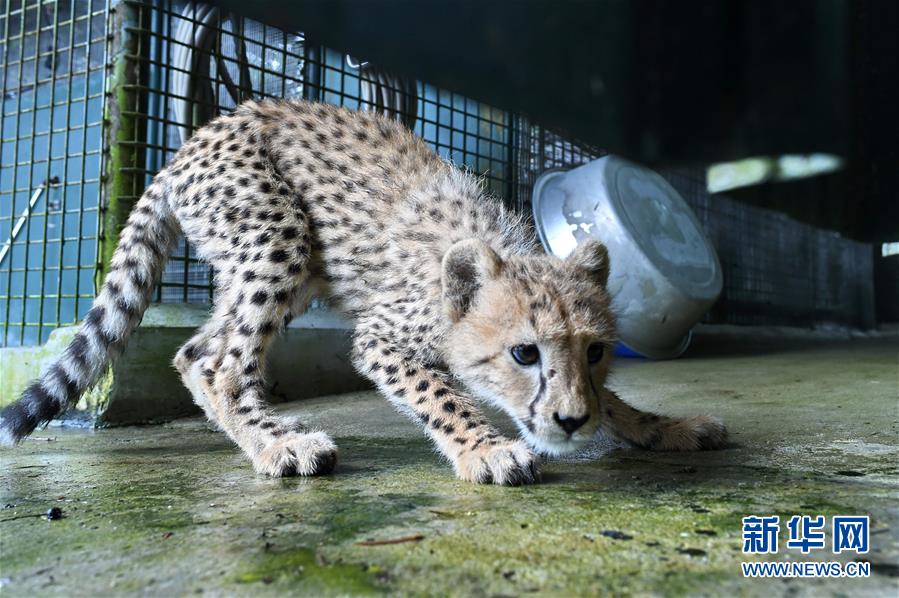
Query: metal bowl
x,y
665,273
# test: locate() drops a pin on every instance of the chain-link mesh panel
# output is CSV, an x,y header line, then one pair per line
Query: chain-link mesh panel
x,y
51,137
200,63
778,271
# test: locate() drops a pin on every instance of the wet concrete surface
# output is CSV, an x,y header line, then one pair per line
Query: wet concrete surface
x,y
176,510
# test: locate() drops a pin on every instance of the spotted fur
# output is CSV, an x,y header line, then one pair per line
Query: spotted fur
x,y
288,200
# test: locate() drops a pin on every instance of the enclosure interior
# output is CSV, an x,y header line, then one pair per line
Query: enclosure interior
x,y
186,64
98,95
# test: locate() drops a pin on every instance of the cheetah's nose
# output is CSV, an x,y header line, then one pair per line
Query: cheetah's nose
x,y
570,424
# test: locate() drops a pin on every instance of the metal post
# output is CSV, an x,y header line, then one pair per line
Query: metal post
x,y
123,180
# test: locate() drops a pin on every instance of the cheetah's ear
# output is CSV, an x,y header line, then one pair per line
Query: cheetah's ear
x,y
592,256
466,266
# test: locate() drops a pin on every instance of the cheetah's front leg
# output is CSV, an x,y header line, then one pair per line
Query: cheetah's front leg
x,y
459,429
658,432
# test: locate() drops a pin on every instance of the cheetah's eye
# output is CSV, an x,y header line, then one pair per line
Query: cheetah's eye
x,y
595,352
526,354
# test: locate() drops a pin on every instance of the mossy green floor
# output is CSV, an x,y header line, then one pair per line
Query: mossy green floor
x,y
175,510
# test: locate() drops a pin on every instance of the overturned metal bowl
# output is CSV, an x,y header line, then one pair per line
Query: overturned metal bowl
x,y
665,273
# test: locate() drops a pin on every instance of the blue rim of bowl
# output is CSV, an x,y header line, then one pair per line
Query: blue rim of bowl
x,y
663,354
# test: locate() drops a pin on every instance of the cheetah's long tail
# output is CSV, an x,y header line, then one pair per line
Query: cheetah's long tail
x,y
144,244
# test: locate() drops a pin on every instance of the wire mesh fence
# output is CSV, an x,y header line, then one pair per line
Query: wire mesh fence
x,y
200,62
190,62
52,72
778,271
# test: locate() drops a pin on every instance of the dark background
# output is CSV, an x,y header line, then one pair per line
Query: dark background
x,y
663,82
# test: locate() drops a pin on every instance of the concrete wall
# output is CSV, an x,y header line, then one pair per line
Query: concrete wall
x,y
310,359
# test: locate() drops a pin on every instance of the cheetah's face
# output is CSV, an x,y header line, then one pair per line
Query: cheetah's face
x,y
534,336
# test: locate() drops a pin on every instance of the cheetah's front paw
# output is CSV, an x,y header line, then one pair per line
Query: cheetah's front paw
x,y
296,453
507,463
694,434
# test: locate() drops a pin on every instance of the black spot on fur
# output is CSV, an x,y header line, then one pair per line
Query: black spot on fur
x,y
259,297
94,321
79,349
71,387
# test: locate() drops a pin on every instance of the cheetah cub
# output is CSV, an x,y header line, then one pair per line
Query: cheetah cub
x,y
451,297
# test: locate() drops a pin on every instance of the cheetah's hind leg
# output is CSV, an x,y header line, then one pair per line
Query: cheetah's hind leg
x,y
189,363
207,341
233,377
225,362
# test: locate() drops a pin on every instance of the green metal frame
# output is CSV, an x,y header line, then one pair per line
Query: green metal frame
x,y
123,184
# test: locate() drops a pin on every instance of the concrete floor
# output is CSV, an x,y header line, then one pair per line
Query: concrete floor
x,y
175,510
